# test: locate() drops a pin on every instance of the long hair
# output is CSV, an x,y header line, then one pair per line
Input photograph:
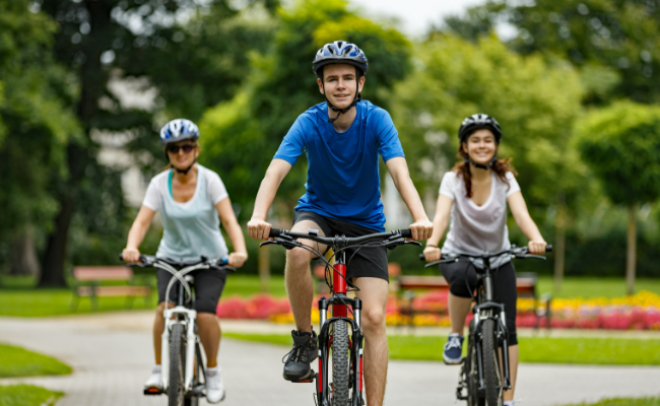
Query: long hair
x,y
462,168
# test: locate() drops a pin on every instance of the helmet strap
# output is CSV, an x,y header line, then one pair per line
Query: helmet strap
x,y
184,171
480,166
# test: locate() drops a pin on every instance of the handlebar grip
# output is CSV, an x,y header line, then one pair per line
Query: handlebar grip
x,y
121,257
407,233
422,257
548,248
275,232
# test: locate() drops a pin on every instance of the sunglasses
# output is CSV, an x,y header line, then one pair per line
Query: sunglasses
x,y
174,149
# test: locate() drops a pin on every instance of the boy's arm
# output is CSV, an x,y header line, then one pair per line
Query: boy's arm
x,y
422,228
258,228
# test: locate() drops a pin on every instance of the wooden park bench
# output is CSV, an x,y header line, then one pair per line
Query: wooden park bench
x,y
406,285
87,283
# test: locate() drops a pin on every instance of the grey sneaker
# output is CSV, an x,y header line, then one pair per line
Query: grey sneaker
x,y
453,353
297,362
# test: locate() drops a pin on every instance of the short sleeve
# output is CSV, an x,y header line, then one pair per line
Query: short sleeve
x,y
513,184
389,145
448,185
152,198
215,188
294,141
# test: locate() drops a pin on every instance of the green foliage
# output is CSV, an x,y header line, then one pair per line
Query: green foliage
x,y
534,102
624,402
18,362
242,135
27,395
622,145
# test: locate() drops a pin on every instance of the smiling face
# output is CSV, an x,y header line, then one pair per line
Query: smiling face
x,y
481,146
341,83
182,154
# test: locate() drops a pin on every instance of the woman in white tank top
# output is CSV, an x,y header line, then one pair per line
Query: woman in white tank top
x,y
192,201
474,197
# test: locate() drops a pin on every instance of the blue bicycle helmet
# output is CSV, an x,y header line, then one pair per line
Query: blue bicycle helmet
x,y
178,130
340,52
476,122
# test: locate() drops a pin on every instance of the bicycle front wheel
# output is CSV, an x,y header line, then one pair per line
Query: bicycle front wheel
x,y
176,391
471,371
492,377
340,364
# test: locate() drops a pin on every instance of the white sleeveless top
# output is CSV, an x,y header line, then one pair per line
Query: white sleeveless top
x,y
192,228
478,229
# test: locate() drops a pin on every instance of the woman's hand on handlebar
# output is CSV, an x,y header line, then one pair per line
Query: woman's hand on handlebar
x,y
237,259
131,254
259,229
537,247
432,254
421,230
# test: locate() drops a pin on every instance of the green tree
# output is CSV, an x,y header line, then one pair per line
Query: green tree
x,y
622,145
535,103
36,124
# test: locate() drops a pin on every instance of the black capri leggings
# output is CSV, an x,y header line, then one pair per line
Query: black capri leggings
x,y
209,284
504,283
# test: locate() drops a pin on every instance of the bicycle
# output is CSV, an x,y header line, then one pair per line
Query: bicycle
x,y
346,388
481,375
182,356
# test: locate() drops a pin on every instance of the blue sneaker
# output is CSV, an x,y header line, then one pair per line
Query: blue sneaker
x,y
453,353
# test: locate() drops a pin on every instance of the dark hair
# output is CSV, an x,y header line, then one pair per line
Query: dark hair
x,y
462,168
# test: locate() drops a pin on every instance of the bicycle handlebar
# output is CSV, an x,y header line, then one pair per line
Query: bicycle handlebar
x,y
286,237
151,260
518,252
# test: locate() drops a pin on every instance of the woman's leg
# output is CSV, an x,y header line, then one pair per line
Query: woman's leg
x,y
506,293
208,288
513,370
459,307
460,295
209,335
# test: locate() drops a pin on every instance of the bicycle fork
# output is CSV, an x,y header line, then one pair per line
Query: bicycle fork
x,y
191,338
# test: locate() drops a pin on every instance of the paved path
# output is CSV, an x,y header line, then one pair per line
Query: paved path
x,y
111,357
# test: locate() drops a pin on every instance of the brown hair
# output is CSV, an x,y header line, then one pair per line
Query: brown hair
x,y
462,168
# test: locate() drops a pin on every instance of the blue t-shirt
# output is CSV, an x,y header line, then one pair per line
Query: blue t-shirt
x,y
343,180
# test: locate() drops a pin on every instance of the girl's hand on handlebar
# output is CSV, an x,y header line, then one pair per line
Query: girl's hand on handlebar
x,y
432,254
421,230
537,247
259,229
131,254
237,259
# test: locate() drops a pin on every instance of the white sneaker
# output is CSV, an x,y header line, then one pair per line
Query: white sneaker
x,y
156,378
215,389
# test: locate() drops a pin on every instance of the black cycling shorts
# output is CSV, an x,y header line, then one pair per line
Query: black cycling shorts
x,y
365,262
461,274
209,284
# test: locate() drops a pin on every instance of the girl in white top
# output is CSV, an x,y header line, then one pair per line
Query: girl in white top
x,y
192,200
474,196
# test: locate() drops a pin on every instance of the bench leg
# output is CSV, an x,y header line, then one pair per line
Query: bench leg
x,y
74,302
129,301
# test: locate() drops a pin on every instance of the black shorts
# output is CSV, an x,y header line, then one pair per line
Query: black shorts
x,y
364,263
209,284
461,274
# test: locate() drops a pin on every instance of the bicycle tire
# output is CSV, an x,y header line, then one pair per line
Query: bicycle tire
x,y
491,360
471,371
175,390
340,364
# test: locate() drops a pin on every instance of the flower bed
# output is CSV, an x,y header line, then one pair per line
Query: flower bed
x,y
638,312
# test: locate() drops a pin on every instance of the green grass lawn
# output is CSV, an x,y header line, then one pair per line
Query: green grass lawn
x,y
27,395
18,362
624,402
594,351
595,287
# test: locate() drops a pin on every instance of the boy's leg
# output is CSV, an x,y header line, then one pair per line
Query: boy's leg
x,y
373,293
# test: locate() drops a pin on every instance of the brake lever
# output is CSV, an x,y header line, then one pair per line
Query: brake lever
x,y
535,256
267,243
443,261
417,243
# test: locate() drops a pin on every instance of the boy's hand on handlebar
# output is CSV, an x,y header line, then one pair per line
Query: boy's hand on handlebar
x,y
259,229
432,254
131,254
421,230
537,247
237,259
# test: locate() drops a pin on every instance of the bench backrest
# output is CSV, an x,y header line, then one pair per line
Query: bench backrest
x,y
102,273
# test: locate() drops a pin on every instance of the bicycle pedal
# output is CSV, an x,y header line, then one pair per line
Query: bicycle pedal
x,y
198,391
310,379
152,391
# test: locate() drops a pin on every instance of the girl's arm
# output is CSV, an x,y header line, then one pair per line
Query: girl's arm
x,y
443,209
526,224
239,256
135,236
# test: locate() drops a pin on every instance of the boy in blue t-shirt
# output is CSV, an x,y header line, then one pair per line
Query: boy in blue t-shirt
x,y
342,138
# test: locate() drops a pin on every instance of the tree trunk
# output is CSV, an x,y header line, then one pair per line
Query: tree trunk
x,y
23,256
52,265
631,258
264,268
560,246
